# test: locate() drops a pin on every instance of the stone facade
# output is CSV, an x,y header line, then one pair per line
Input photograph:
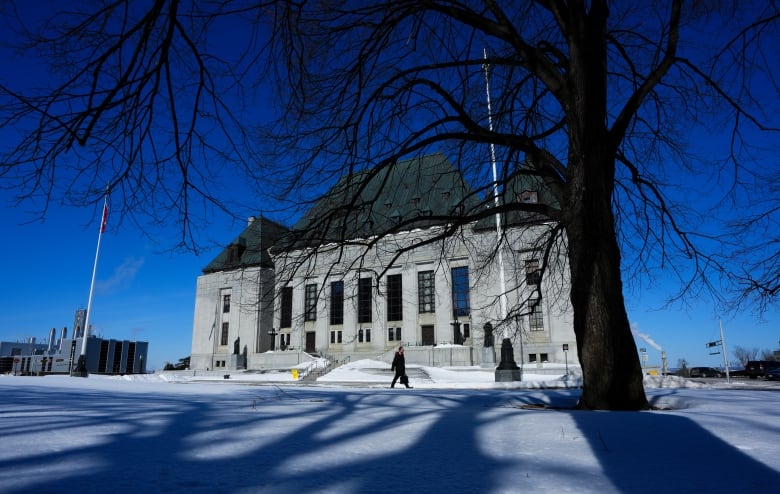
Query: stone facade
x,y
431,337
365,297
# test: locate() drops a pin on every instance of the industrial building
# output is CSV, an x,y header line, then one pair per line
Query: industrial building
x,y
60,354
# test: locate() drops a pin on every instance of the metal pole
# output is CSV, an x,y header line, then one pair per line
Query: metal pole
x,y
725,353
81,368
507,369
496,202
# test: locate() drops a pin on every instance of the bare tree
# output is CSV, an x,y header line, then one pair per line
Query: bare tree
x,y
136,98
744,354
592,99
586,100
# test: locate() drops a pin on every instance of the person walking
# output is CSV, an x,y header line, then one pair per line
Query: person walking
x,y
399,366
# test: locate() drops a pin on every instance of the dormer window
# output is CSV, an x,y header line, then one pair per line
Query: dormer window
x,y
235,251
528,197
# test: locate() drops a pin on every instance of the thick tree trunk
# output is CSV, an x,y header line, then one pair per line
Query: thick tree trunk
x,y
612,374
611,371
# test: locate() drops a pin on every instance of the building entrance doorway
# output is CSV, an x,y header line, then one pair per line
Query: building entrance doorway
x,y
311,342
427,335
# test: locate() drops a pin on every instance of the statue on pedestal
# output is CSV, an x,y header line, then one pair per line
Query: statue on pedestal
x,y
488,328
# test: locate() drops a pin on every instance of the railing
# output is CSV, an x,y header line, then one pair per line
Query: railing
x,y
317,370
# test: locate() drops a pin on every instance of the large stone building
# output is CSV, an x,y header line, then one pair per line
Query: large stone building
x,y
368,269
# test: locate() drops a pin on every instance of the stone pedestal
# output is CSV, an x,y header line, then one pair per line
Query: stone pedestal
x,y
507,375
507,369
488,358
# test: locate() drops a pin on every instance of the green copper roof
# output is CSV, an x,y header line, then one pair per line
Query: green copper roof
x,y
416,193
250,248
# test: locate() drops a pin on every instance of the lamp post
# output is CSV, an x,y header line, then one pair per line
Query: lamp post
x,y
566,356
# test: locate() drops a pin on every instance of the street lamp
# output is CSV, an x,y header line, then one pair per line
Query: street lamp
x,y
566,356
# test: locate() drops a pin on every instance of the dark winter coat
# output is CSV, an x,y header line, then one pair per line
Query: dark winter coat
x,y
399,364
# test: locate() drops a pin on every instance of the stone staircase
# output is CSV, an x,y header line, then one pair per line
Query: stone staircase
x,y
316,373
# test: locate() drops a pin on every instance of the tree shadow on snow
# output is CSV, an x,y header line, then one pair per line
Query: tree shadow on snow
x,y
664,451
260,439
268,439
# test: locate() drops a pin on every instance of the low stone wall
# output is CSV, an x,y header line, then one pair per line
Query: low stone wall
x,y
278,360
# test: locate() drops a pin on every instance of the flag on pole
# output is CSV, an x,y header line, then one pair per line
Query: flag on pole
x,y
105,218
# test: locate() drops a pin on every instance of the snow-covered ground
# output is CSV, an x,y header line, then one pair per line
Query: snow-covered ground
x,y
456,431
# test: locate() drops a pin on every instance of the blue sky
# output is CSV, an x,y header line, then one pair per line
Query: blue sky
x,y
145,292
141,292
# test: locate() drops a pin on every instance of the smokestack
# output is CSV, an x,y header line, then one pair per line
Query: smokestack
x,y
63,335
52,334
78,322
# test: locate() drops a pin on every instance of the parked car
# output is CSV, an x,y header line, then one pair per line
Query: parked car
x,y
758,368
773,375
704,372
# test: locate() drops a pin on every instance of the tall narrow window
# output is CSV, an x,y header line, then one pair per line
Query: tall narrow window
x,y
364,300
310,303
337,302
394,299
460,292
223,338
533,275
536,320
226,303
286,309
425,292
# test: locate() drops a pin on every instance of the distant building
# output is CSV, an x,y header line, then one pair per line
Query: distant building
x,y
376,278
59,355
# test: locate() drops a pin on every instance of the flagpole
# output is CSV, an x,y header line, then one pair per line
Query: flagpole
x,y
81,367
496,202
507,369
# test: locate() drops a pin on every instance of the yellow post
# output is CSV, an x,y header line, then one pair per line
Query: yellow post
x,y
295,374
